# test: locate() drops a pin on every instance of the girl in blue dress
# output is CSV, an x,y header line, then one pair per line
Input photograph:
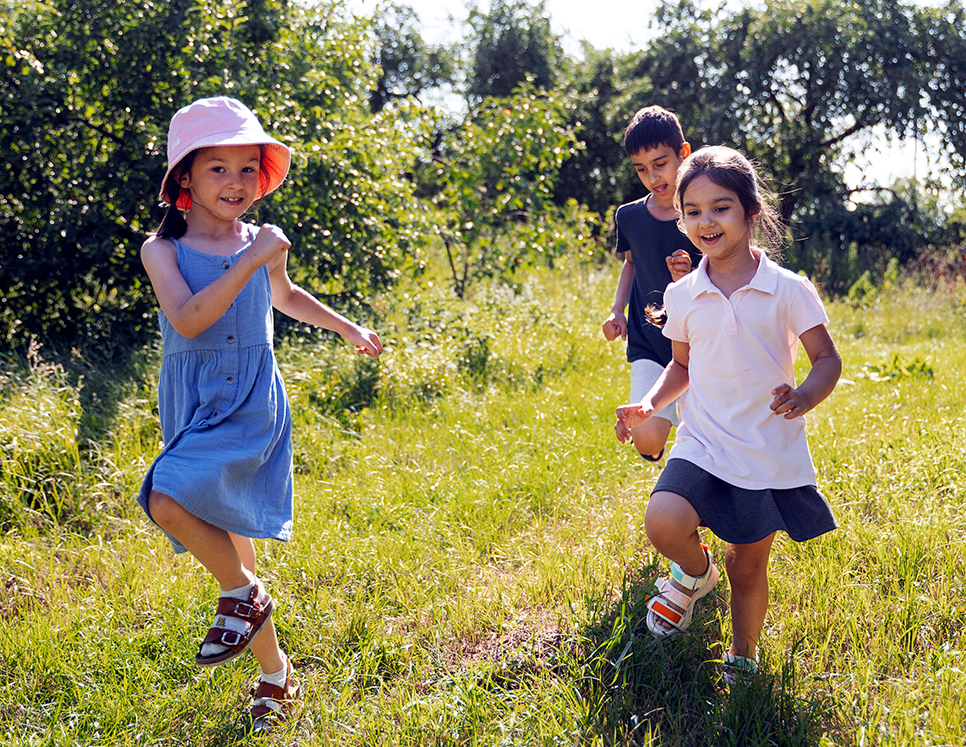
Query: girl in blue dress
x,y
224,476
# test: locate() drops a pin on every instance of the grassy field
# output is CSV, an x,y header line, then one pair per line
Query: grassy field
x,y
469,565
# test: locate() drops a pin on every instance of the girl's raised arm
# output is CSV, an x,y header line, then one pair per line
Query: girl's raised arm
x,y
671,385
192,313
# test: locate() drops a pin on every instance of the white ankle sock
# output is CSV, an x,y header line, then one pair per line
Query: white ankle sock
x,y
276,678
231,623
241,592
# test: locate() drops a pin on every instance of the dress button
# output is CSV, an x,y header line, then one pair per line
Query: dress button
x,y
231,339
226,265
231,380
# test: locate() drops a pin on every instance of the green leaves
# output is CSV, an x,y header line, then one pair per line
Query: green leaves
x,y
512,43
495,174
897,367
797,86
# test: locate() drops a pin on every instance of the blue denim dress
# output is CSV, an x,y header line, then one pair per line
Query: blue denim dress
x,y
225,416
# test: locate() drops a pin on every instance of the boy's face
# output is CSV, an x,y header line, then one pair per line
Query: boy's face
x,y
657,168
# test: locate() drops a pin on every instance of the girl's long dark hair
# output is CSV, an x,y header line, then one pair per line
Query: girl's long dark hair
x,y
174,225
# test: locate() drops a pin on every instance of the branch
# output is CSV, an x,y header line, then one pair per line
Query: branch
x,y
101,130
850,192
773,97
859,125
458,286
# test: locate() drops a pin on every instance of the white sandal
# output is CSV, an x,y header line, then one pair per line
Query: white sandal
x,y
734,667
673,607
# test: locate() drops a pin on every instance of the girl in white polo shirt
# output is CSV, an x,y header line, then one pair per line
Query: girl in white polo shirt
x,y
740,463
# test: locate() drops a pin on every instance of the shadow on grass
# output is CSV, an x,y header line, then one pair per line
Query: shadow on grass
x,y
105,380
645,691
57,472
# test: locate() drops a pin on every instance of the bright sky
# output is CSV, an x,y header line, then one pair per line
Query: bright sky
x,y
624,25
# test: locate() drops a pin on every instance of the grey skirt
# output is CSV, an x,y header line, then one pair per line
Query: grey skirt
x,y
741,516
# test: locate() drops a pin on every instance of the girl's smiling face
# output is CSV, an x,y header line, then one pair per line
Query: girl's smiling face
x,y
224,180
715,220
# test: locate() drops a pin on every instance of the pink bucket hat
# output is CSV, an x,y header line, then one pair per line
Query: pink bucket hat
x,y
223,121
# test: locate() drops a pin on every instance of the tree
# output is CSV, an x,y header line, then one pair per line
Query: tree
x,y
80,165
494,174
797,84
408,66
511,44
598,174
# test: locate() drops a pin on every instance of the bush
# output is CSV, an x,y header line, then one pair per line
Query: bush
x,y
40,461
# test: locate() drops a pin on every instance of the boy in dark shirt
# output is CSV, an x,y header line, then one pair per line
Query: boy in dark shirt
x,y
655,253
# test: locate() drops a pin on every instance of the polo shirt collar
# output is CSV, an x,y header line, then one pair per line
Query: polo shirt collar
x,y
765,278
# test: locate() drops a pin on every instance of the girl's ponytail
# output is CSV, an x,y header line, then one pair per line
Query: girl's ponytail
x,y
174,225
656,315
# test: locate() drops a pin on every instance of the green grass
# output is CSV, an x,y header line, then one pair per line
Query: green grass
x,y
469,564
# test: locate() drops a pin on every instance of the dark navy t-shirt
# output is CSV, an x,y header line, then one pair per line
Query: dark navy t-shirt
x,y
649,241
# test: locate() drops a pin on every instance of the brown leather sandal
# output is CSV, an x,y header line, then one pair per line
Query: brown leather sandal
x,y
255,613
273,704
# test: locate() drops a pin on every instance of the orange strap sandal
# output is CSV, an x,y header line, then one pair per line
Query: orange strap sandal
x,y
670,610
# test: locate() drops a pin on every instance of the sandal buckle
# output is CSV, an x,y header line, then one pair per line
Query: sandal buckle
x,y
244,609
231,638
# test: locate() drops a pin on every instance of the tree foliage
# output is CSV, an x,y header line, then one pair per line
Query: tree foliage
x,y
800,86
407,65
599,175
491,183
510,44
89,87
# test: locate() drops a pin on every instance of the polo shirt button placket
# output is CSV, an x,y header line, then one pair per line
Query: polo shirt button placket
x,y
731,318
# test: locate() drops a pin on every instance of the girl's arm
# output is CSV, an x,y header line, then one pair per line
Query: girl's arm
x,y
826,369
616,324
671,385
298,303
192,313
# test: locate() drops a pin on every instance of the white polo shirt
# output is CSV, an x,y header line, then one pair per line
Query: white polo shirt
x,y
741,349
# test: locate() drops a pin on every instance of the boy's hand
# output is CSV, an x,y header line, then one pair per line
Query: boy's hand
x,y
615,326
679,264
270,241
629,417
789,402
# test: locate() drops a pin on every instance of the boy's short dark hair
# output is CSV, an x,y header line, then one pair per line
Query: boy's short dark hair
x,y
652,127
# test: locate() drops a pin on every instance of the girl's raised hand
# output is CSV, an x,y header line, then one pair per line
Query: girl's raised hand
x,y
629,417
788,402
268,244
